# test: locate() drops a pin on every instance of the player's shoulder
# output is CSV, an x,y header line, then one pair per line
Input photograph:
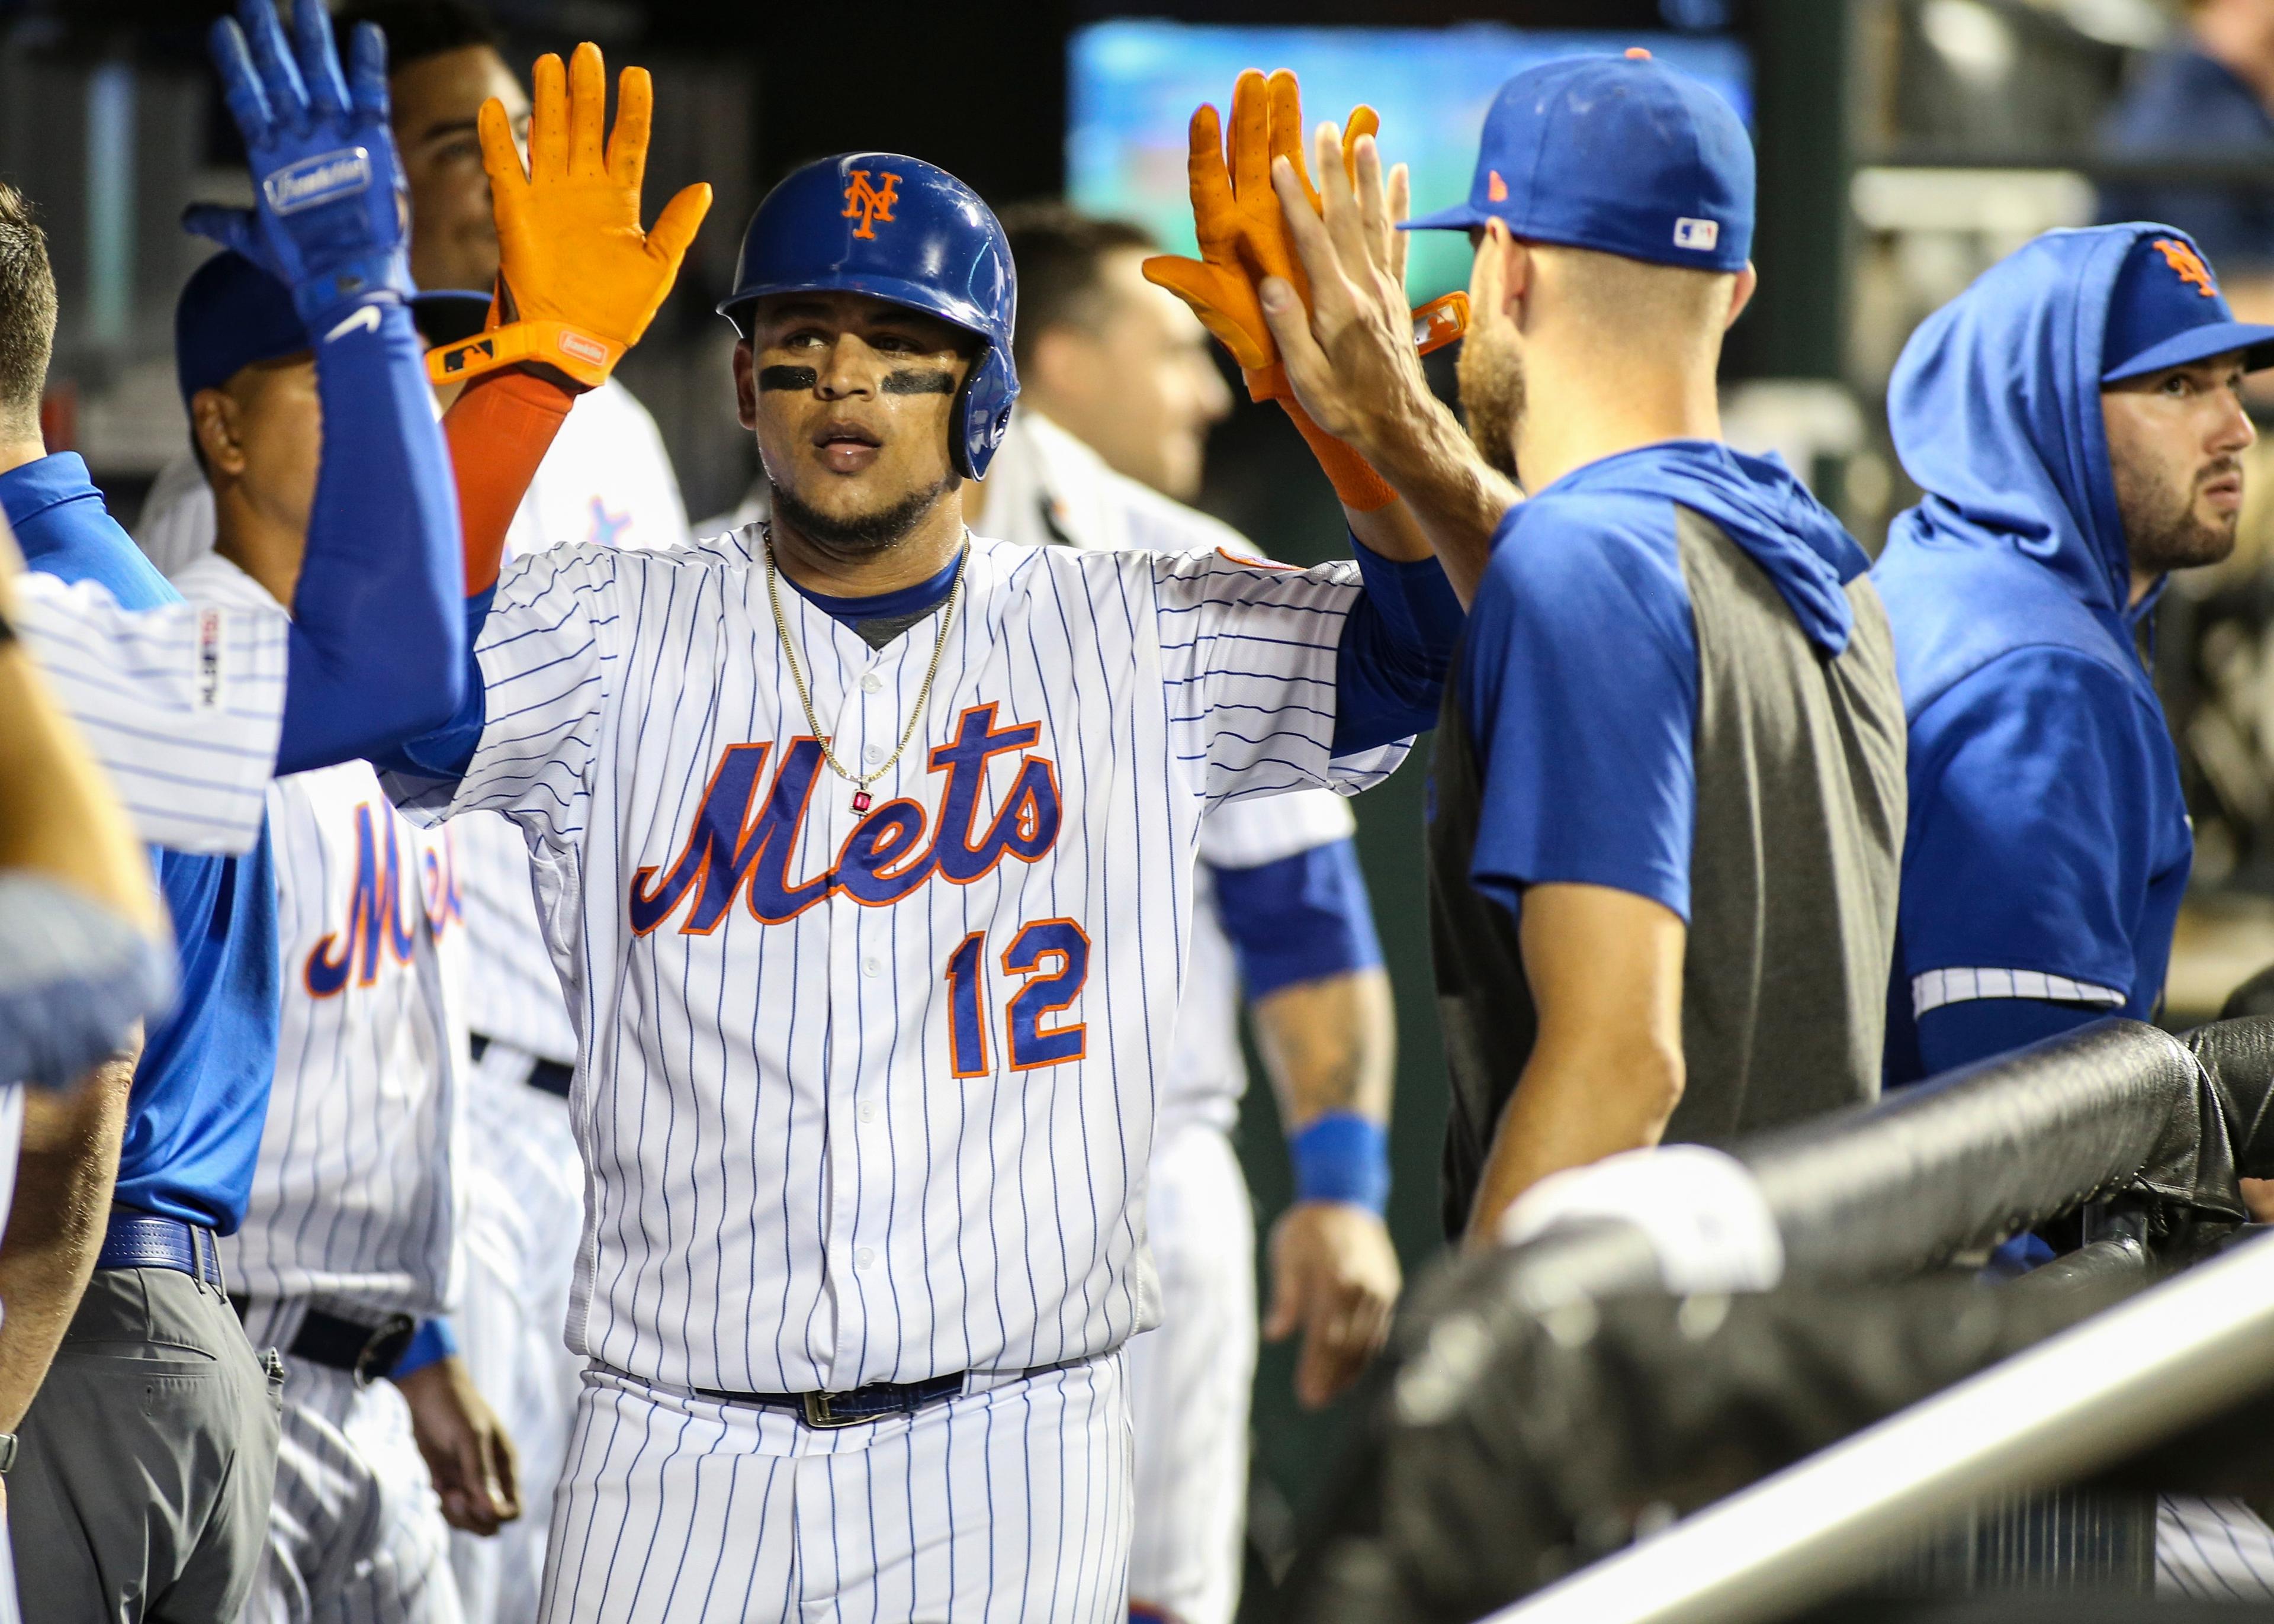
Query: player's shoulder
x,y
1565,547
591,564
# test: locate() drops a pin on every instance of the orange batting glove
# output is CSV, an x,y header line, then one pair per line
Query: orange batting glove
x,y
578,279
1243,240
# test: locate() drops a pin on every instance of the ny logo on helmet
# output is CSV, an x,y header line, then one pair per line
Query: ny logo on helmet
x,y
871,205
2188,265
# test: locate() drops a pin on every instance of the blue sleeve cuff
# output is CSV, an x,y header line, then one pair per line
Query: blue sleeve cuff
x,y
434,1342
1396,646
1343,1157
1298,919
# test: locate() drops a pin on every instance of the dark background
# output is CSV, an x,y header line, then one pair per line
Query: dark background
x,y
743,93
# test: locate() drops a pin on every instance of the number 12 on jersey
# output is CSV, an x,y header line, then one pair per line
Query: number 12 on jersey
x,y
1053,957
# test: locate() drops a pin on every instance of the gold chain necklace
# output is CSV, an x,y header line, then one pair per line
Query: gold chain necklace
x,y
861,781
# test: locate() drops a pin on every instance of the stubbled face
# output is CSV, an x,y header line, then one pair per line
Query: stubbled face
x,y
851,401
1139,388
453,236
271,438
2175,442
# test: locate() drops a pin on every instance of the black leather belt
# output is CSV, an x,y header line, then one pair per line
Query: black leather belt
x,y
868,1404
365,1351
148,1240
550,1075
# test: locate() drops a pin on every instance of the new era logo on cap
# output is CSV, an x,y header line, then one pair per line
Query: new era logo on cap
x,y
321,179
1701,235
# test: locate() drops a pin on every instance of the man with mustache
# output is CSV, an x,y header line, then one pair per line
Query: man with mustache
x,y
1667,787
2076,420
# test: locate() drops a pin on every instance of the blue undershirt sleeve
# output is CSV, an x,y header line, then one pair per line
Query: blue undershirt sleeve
x,y
377,644
1298,919
443,754
1396,646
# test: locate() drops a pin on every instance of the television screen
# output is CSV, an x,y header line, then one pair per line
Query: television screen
x,y
1133,84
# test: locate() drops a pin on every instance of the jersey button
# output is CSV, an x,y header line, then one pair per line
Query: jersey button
x,y
871,683
872,965
874,754
863,1258
868,1112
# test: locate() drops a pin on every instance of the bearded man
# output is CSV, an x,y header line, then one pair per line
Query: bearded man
x,y
1669,785
2076,421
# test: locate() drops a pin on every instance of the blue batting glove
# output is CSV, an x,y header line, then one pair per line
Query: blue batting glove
x,y
327,219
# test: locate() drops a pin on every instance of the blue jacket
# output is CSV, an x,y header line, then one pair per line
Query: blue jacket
x,y
2048,844
201,1091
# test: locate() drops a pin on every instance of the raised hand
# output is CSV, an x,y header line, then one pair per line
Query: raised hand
x,y
1237,217
327,218
578,279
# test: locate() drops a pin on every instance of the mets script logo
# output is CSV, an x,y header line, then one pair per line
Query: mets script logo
x,y
321,179
885,858
375,921
870,205
2188,265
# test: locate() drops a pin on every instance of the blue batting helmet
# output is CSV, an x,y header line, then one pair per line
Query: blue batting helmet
x,y
906,232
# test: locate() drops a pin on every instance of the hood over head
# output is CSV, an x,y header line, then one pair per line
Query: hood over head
x,y
1995,408
1765,509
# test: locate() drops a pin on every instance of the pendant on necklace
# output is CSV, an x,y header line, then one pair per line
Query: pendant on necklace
x,y
860,801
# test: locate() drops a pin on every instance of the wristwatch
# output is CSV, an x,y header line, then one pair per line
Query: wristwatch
x,y
7,1452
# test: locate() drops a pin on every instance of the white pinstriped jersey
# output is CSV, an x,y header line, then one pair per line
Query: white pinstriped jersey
x,y
1044,486
354,1194
868,1095
182,703
605,480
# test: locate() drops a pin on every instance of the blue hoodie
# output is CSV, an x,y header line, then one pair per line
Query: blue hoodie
x,y
2048,844
1579,675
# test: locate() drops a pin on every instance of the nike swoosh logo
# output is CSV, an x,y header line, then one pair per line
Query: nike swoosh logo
x,y
365,316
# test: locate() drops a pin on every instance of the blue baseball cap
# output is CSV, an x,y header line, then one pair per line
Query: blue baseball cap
x,y
1617,154
2167,311
233,314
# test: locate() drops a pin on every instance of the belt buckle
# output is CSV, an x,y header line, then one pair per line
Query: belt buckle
x,y
819,1414
383,1349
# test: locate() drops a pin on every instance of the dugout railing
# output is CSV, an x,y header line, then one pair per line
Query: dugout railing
x,y
1555,1430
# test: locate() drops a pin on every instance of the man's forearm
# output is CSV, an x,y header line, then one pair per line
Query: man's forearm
x,y
1329,1045
1568,1112
55,1226
1448,494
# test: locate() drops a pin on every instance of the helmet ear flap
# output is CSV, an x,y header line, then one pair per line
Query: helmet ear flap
x,y
983,413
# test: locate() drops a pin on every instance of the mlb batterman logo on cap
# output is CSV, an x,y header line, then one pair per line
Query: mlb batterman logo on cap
x,y
1617,154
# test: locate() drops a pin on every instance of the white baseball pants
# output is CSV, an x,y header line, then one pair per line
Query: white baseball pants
x,y
1007,1505
1190,1379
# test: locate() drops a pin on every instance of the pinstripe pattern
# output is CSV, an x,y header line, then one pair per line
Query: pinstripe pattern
x,y
525,1206
1936,987
788,1190
1006,1505
1045,486
1190,1380
354,1194
2213,1550
355,1533
182,703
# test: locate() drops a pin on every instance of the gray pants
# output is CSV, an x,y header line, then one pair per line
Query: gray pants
x,y
140,1490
